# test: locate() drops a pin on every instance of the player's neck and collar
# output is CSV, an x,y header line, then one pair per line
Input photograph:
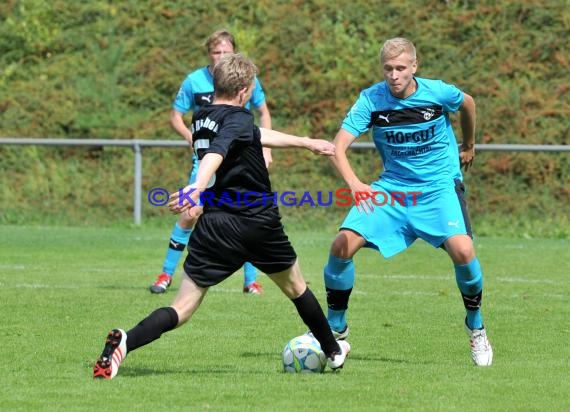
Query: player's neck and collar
x,y
227,102
411,89
239,100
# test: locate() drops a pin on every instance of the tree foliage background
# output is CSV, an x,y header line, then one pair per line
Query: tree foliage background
x,y
105,69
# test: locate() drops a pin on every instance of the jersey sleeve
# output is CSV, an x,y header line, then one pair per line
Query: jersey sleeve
x,y
452,97
258,95
183,100
357,120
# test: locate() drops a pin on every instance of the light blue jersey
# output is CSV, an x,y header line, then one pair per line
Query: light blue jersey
x,y
413,135
419,194
421,160
197,90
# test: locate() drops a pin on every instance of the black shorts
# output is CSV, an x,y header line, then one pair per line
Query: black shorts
x,y
221,243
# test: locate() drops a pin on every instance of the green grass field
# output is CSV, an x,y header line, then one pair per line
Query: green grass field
x,y
62,289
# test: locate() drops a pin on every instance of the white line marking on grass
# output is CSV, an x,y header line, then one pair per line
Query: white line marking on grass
x,y
238,291
38,286
403,293
88,270
522,280
225,290
452,277
416,277
13,267
46,286
412,293
542,295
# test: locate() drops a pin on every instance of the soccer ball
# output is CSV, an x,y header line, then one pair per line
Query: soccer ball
x,y
304,354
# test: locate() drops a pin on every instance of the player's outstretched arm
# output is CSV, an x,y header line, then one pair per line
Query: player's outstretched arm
x,y
275,139
342,141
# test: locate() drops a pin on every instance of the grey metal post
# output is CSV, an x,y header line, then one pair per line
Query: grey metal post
x,y
138,182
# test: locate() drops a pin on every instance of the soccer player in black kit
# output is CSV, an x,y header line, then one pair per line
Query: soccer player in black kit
x,y
240,221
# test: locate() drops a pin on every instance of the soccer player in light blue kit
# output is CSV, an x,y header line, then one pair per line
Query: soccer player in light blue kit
x,y
409,119
196,91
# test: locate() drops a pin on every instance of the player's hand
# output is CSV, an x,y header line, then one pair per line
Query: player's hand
x,y
362,194
321,147
194,212
184,200
466,156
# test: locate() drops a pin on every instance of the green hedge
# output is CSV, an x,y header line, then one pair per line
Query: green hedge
x,y
101,70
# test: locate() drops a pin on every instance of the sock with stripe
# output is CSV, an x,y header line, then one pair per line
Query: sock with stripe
x,y
469,279
178,241
339,281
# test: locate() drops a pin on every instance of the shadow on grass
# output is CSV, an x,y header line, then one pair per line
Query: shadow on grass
x,y
353,357
138,287
130,371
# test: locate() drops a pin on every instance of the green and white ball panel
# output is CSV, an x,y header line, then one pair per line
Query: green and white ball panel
x,y
303,354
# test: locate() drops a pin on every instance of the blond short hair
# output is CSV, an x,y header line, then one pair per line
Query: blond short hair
x,y
233,73
394,47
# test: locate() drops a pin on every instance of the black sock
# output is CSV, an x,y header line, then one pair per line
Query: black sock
x,y
312,314
151,328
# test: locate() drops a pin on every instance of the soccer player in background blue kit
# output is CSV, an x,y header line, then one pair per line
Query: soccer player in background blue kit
x,y
196,91
409,118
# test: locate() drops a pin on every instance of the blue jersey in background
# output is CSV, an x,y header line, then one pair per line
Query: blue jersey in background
x,y
196,91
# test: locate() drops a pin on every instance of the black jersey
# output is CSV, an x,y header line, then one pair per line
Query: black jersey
x,y
241,184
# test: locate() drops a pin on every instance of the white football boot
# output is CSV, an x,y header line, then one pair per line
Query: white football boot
x,y
113,354
481,350
337,359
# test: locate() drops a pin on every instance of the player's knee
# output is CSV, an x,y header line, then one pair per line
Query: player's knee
x,y
345,245
464,255
337,247
184,313
461,252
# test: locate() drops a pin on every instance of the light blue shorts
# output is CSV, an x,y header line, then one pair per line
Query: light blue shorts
x,y
403,214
